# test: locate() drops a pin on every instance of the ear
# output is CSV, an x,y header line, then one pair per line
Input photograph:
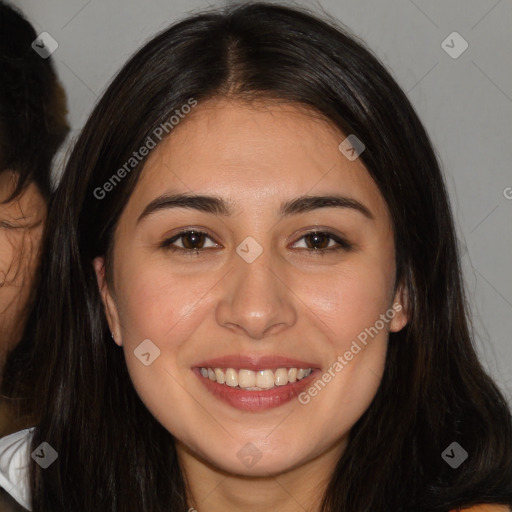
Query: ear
x,y
401,307
108,300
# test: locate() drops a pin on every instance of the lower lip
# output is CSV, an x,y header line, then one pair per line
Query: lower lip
x,y
255,400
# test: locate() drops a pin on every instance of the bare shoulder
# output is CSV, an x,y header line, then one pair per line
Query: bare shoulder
x,y
487,508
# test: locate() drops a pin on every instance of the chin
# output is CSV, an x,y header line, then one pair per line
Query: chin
x,y
251,462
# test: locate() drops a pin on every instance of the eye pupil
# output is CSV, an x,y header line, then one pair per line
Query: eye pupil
x,y
193,236
317,238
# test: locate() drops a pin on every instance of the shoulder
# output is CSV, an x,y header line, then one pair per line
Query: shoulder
x,y
14,464
486,508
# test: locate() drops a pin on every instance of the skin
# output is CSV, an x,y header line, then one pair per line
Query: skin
x,y
288,302
21,229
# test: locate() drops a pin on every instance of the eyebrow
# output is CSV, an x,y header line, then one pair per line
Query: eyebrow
x,y
218,206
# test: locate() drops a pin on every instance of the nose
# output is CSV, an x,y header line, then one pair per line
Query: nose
x,y
256,299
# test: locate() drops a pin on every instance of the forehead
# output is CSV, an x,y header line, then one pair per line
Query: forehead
x,y
253,152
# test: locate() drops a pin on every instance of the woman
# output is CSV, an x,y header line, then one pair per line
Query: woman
x,y
32,127
252,295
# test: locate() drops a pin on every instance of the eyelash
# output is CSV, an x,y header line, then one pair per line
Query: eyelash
x,y
343,244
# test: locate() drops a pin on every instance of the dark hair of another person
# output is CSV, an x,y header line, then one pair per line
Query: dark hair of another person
x,y
113,454
32,106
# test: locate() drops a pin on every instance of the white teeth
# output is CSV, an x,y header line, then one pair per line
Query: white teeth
x,y
265,379
221,378
246,378
281,377
231,377
255,381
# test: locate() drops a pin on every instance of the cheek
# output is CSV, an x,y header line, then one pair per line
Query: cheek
x,y
19,251
9,245
156,305
349,299
159,304
18,263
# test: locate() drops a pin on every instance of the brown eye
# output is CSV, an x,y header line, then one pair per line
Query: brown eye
x,y
321,242
191,239
317,240
192,242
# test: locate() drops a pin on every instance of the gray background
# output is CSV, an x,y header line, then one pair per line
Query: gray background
x,y
465,104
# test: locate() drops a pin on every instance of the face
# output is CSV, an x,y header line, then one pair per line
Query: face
x,y
264,291
21,228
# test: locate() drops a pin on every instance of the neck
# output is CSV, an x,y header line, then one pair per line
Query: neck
x,y
213,490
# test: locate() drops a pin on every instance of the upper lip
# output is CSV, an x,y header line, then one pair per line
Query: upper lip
x,y
255,362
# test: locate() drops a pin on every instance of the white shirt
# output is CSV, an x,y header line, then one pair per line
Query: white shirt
x,y
14,464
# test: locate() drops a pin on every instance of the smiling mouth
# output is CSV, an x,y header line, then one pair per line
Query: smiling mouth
x,y
249,380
